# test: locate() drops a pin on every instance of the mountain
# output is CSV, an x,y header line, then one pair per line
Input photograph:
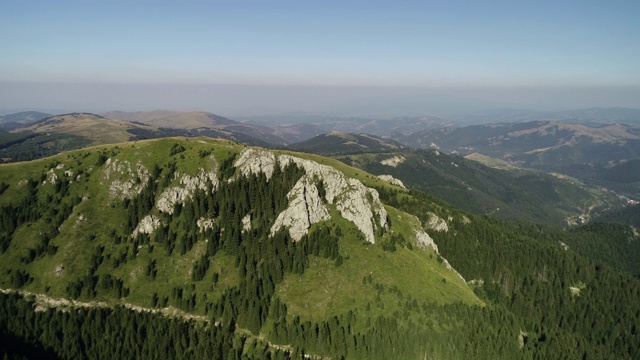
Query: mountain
x,y
301,127
202,248
199,122
506,192
95,128
591,116
13,121
337,142
602,156
59,133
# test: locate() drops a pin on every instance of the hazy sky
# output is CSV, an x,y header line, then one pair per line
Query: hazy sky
x,y
243,57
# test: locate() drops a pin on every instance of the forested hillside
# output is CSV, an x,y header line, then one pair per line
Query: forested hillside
x,y
197,248
509,193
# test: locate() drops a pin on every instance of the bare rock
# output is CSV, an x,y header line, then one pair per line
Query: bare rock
x,y
424,241
356,202
188,186
391,180
394,161
147,225
205,224
254,161
437,223
305,208
51,178
125,181
246,223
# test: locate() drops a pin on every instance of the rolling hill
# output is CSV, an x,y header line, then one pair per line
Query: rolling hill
x,y
505,192
16,120
595,155
337,142
200,123
596,116
59,133
202,248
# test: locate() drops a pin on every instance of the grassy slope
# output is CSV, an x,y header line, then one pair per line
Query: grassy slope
x,y
416,273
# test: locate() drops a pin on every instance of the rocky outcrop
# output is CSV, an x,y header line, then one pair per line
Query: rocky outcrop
x,y
436,223
125,182
246,222
391,180
52,178
188,185
147,225
355,202
205,224
424,241
305,208
254,161
394,161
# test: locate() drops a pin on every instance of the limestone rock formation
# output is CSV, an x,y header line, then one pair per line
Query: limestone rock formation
x,y
437,223
391,180
188,185
254,161
246,222
394,161
205,224
125,181
355,202
424,241
147,225
305,208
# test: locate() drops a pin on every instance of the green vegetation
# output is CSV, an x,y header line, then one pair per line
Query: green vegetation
x,y
507,194
207,283
27,146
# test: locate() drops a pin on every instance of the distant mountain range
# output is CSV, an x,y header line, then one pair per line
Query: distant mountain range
x,y
54,134
337,142
13,121
605,155
588,144
595,115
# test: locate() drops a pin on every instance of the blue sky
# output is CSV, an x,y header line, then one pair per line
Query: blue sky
x,y
369,44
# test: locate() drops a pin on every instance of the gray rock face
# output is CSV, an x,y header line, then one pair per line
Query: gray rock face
x,y
393,161
125,182
147,225
246,223
188,185
391,180
52,178
205,224
355,202
436,223
424,241
254,161
305,208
